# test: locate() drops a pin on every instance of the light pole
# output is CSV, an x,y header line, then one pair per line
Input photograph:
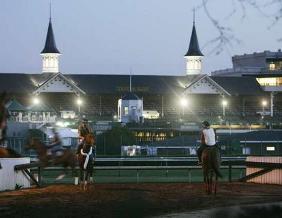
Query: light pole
x,y
183,103
263,103
224,104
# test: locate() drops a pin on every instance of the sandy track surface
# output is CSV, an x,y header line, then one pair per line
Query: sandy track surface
x,y
130,200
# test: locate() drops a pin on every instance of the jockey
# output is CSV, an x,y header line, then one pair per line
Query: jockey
x,y
207,137
83,130
56,144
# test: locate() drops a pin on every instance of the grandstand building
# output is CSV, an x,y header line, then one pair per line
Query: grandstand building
x,y
96,96
266,67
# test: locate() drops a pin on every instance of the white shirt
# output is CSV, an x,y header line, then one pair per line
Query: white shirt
x,y
209,136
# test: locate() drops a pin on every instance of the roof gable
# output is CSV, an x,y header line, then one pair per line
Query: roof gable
x,y
14,105
205,85
59,83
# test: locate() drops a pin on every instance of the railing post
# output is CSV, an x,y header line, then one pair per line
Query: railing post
x,y
137,176
39,176
229,171
189,176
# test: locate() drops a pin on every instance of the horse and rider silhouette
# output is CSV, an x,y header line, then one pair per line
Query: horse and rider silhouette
x,y
209,158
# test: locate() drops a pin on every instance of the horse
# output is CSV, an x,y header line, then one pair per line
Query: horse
x,y
85,159
8,153
210,164
67,159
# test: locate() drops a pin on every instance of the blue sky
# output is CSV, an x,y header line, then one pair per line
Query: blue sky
x,y
114,36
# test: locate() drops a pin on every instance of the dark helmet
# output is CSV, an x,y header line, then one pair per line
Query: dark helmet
x,y
84,120
205,124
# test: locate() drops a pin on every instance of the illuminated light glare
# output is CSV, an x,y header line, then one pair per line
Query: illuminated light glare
x,y
60,124
183,102
224,103
35,101
264,103
79,101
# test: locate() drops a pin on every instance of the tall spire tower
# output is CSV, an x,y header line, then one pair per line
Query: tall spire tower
x,y
50,54
194,55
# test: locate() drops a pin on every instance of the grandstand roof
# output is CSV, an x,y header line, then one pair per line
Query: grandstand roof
x,y
239,85
130,96
118,84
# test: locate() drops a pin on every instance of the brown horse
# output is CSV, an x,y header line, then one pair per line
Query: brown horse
x,y
211,164
8,153
67,159
86,153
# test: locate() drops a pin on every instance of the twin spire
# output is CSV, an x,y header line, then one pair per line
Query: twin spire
x,y
50,54
193,56
194,49
50,44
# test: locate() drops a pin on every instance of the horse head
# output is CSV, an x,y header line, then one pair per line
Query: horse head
x,y
90,139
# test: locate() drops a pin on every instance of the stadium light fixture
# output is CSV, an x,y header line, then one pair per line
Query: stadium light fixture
x,y
79,103
264,103
224,104
35,101
183,102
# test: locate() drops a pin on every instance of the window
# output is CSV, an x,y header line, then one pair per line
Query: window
x,y
271,66
270,148
125,110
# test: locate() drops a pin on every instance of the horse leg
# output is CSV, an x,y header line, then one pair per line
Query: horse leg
x,y
210,182
215,184
85,180
205,180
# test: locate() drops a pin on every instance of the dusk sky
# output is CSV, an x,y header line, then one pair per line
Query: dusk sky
x,y
114,36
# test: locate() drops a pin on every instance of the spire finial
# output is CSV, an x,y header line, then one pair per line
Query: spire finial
x,y
194,16
50,10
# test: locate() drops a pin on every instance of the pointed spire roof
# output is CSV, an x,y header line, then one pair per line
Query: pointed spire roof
x,y
50,44
194,49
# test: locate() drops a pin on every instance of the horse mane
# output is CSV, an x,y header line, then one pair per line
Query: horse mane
x,y
90,139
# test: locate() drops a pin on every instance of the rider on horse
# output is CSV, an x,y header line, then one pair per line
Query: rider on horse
x,y
83,130
56,145
207,137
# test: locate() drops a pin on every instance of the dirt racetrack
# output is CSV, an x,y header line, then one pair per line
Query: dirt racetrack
x,y
130,200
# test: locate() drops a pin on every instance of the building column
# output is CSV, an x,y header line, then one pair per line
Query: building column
x,y
162,106
271,103
244,106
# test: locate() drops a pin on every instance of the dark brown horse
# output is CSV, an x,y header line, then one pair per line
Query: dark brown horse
x,y
67,159
85,158
211,164
8,153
